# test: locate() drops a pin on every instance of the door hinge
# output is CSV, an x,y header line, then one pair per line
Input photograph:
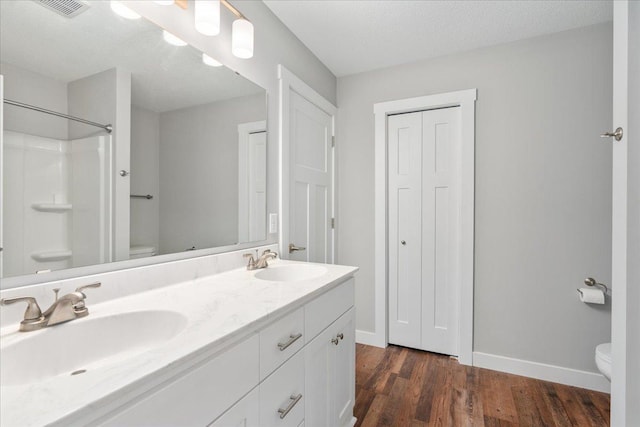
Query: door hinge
x,y
333,141
333,223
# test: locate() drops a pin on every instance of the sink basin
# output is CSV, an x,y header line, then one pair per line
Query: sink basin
x,y
291,272
85,344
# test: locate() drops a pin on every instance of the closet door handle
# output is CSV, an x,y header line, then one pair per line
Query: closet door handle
x,y
294,399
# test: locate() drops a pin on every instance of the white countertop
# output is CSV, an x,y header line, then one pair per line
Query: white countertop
x,y
220,309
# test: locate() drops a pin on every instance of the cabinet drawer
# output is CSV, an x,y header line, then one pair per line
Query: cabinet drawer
x,y
325,309
200,395
282,391
281,340
245,413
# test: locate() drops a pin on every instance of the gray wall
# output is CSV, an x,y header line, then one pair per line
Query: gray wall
x,y
543,187
199,172
31,88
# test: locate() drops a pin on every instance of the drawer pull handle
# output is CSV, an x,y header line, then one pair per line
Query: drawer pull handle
x,y
294,399
292,338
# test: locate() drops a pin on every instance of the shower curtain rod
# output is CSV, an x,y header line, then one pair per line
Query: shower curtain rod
x,y
108,128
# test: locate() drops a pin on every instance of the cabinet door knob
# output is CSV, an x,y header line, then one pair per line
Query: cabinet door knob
x,y
335,341
341,336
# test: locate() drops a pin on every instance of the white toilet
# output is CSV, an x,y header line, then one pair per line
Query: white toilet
x,y
603,359
136,252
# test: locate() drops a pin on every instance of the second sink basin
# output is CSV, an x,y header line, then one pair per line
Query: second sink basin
x,y
86,344
291,272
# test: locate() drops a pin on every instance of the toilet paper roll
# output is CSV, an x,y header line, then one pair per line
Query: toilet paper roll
x,y
591,296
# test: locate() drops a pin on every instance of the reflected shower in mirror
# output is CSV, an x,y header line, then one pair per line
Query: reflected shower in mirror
x,y
183,169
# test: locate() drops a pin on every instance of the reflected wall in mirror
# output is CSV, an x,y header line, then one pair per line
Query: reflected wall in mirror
x,y
187,137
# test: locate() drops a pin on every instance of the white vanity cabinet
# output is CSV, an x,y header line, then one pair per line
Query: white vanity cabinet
x,y
298,369
330,374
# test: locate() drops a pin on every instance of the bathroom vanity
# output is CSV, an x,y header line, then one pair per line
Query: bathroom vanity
x,y
274,346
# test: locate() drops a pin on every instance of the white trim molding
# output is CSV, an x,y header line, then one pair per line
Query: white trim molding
x,y
542,371
465,99
290,82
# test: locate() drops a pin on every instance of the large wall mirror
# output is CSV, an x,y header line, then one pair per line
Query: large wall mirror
x,y
184,168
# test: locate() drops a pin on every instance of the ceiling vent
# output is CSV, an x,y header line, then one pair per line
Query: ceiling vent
x,y
66,8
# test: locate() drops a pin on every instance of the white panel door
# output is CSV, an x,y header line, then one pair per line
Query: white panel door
x,y
405,242
440,229
311,198
424,229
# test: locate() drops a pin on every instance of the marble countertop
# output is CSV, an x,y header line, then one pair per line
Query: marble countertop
x,y
220,310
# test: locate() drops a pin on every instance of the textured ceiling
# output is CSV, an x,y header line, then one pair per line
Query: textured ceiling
x,y
356,36
164,77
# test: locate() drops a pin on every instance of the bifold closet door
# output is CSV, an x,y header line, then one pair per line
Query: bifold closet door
x,y
424,212
405,228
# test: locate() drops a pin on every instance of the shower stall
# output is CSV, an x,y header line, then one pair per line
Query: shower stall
x,y
57,196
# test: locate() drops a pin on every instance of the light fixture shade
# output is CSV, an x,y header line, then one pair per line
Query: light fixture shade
x,y
164,2
210,61
242,38
120,9
171,39
207,14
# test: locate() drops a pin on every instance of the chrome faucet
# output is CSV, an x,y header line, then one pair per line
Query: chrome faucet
x,y
262,261
68,307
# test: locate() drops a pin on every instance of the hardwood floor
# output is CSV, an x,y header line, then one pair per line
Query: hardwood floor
x,y
398,386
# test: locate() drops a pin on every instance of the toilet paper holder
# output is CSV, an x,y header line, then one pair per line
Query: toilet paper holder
x,y
590,281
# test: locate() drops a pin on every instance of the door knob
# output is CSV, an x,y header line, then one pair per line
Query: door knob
x,y
294,248
617,134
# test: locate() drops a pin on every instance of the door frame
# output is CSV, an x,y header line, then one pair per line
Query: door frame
x,y
290,82
465,99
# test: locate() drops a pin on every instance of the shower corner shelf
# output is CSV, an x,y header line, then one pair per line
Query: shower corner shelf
x,y
51,256
52,207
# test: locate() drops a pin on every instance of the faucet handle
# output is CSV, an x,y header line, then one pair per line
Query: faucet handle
x,y
91,285
33,311
252,261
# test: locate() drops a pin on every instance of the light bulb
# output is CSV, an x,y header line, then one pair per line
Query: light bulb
x,y
171,39
207,17
164,2
242,38
120,9
210,61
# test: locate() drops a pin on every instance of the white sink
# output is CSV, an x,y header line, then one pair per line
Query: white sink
x,y
291,272
85,344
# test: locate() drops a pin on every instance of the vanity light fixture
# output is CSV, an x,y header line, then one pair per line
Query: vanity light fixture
x,y
120,9
210,61
242,38
171,39
207,17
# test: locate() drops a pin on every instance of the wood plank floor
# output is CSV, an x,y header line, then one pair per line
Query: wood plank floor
x,y
398,386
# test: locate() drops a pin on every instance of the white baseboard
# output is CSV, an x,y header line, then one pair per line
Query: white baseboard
x,y
370,338
542,371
